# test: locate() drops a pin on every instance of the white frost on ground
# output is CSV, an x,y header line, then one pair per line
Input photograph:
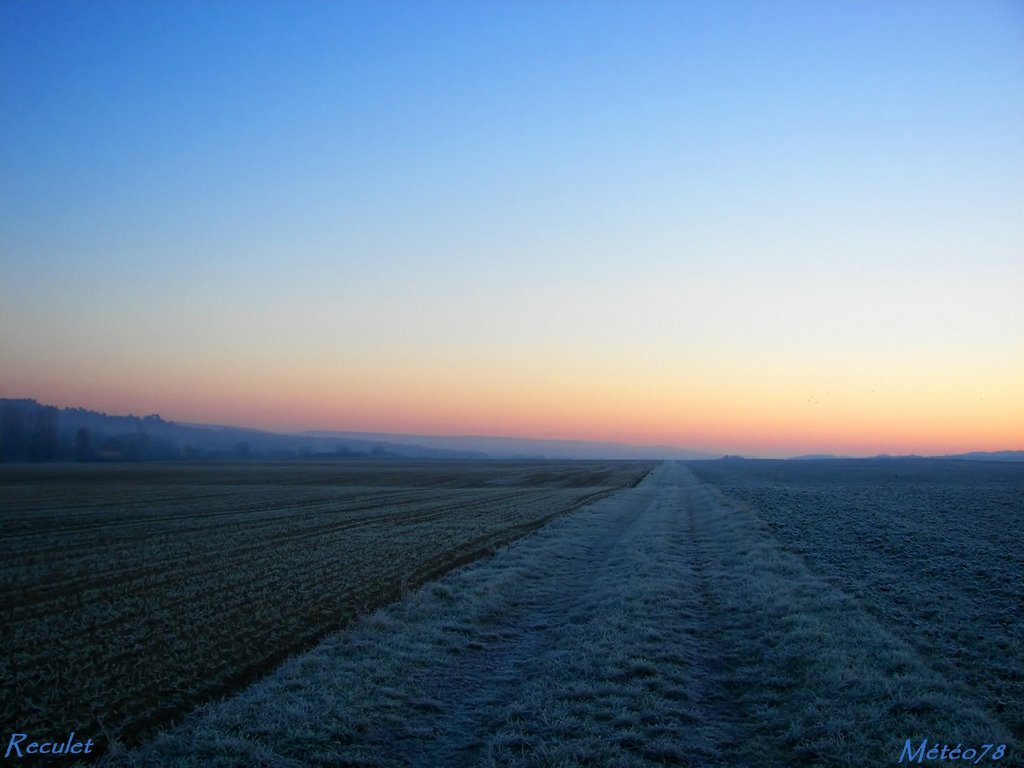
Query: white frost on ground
x,y
659,626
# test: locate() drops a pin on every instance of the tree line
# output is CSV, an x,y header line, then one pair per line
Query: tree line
x,y
33,432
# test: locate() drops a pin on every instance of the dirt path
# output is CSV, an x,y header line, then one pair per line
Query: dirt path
x,y
658,626
605,651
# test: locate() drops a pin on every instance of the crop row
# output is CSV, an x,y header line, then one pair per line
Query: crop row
x,y
119,617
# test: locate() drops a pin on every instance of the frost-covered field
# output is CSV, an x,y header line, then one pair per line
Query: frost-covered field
x,y
932,550
670,624
130,593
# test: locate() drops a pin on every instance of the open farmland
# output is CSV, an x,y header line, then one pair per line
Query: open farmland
x,y
130,593
934,550
668,624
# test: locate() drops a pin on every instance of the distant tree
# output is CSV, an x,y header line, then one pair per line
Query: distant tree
x,y
13,438
112,448
135,446
43,441
83,445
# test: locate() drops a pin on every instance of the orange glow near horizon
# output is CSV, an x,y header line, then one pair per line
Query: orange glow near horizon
x,y
759,228
755,417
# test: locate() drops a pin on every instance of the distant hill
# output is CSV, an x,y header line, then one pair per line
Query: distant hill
x,y
972,456
818,457
531,448
30,431
988,456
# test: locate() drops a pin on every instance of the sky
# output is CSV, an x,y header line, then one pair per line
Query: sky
x,y
769,228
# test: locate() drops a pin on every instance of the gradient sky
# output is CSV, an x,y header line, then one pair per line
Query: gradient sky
x,y
760,227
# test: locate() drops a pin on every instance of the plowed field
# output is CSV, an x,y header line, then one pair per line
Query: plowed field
x,y
131,593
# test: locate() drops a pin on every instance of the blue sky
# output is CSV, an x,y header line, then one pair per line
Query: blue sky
x,y
395,197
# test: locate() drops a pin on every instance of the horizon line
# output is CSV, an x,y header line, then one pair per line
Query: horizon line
x,y
356,433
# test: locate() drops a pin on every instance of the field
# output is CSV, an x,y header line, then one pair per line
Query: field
x,y
718,613
733,614
933,550
131,593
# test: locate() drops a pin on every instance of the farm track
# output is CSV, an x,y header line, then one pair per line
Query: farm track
x,y
663,625
217,588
